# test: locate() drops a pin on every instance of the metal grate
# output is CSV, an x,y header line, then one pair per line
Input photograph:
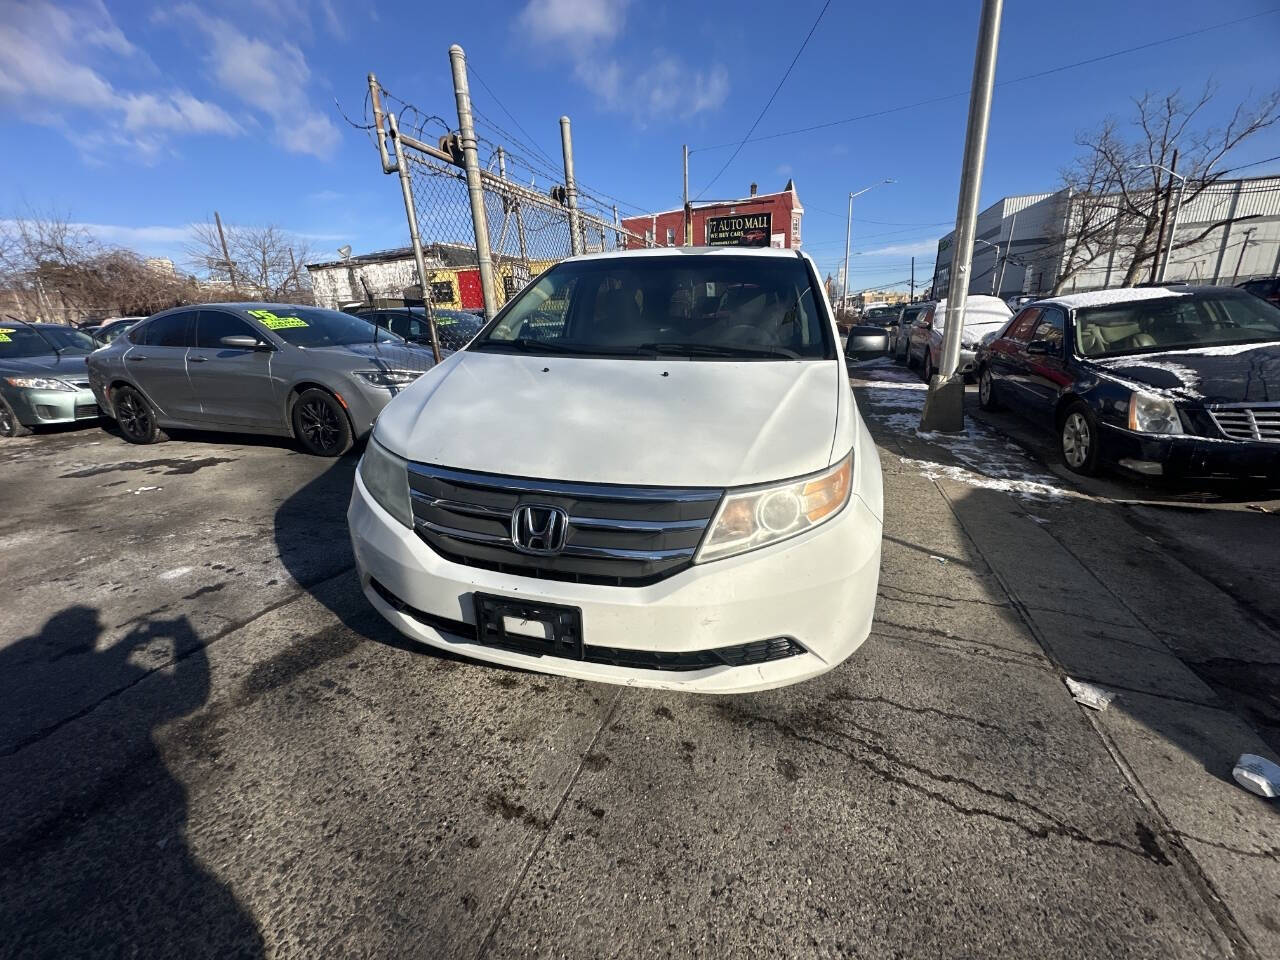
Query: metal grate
x,y
1248,421
615,535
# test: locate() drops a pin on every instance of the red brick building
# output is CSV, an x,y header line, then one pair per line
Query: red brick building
x,y
759,220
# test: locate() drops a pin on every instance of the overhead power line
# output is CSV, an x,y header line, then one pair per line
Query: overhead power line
x,y
769,102
1001,83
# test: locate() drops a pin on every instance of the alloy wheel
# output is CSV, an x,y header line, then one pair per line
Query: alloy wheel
x,y
1076,439
133,417
320,424
984,387
6,421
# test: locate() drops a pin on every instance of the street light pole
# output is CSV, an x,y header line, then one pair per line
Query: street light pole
x,y
848,233
944,404
1177,211
996,248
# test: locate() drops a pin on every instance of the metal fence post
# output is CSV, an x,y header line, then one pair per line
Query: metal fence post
x,y
471,158
414,238
570,187
944,404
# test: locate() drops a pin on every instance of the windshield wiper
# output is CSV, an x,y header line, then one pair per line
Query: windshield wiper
x,y
676,348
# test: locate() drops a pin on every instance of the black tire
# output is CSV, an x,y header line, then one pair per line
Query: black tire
x,y
911,363
1079,439
135,417
987,390
320,424
10,425
927,365
898,357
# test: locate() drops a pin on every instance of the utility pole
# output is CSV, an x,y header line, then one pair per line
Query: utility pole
x,y
1008,246
688,208
415,238
617,233
1164,218
944,404
226,257
570,186
1240,259
913,279
475,187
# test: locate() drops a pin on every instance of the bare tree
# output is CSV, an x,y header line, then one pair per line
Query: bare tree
x,y
265,262
1117,185
52,269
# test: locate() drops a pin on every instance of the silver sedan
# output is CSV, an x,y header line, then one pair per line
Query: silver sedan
x,y
317,375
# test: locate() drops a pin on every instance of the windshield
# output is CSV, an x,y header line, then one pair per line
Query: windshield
x,y
700,307
881,313
1175,323
313,327
18,341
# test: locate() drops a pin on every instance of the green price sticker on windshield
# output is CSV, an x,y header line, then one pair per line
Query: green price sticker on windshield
x,y
4,334
273,322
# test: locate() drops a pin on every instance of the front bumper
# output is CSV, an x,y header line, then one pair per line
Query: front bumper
x,y
1191,456
818,589
35,408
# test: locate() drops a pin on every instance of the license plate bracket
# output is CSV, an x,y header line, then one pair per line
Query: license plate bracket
x,y
562,636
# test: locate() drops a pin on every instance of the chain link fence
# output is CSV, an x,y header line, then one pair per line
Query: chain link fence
x,y
530,219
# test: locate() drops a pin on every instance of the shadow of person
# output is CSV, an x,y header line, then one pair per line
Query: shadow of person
x,y
94,855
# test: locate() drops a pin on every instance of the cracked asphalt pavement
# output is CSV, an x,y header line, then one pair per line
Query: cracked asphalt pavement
x,y
211,746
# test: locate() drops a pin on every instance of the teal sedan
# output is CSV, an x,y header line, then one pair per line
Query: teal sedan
x,y
43,377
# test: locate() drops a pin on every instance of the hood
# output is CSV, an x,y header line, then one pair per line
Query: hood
x,y
1237,373
66,366
404,355
665,422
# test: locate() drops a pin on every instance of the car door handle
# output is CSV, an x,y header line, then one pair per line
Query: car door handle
x,y
197,359
134,356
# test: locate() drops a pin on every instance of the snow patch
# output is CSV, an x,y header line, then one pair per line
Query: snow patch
x,y
1102,298
175,573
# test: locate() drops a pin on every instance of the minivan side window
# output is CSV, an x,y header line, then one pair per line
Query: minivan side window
x,y
172,330
213,325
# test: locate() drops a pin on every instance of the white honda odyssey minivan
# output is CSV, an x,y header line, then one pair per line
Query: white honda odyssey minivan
x,y
647,469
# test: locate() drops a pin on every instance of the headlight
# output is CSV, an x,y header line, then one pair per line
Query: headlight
x,y
38,383
1151,414
764,515
386,478
388,378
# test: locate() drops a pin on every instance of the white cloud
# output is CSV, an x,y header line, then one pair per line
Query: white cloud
x,y
44,51
663,86
903,249
271,78
575,23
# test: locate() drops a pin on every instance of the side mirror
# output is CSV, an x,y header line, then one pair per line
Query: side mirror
x,y
866,343
244,342
1040,347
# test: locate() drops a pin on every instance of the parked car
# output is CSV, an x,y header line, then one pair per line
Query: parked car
x,y
317,375
1267,289
982,317
454,328
900,332
1157,381
110,329
42,376
671,488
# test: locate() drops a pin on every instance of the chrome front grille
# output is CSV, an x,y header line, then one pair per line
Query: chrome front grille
x,y
1258,421
617,535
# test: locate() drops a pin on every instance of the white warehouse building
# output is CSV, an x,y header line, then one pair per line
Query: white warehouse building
x,y
1021,242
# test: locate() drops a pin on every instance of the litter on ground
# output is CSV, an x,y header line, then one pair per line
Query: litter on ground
x,y
1089,695
1258,775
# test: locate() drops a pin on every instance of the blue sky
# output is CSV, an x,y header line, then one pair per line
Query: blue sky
x,y
139,118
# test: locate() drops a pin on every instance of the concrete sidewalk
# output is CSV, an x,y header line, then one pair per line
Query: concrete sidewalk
x,y
1106,604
